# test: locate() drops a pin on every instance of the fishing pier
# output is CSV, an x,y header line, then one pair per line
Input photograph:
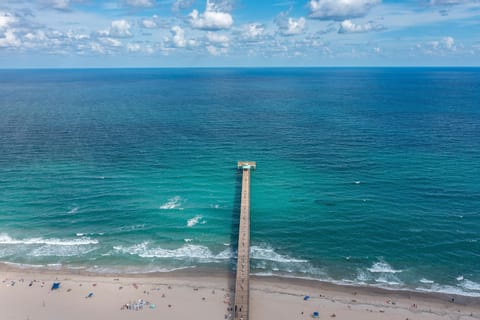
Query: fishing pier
x,y
243,256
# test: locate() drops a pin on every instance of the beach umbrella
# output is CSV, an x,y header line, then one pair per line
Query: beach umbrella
x,y
306,298
55,285
315,314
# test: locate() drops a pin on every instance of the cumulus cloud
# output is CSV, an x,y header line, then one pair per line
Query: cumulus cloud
x,y
441,47
118,29
340,9
347,26
179,40
140,3
181,5
212,19
153,23
219,39
7,19
214,51
252,31
446,43
289,26
9,39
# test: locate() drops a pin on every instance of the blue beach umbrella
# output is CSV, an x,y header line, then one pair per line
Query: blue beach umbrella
x,y
55,285
306,298
315,314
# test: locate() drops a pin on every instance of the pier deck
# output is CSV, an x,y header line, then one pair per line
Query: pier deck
x,y
243,260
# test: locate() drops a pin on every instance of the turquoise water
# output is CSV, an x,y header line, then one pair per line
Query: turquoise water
x,y
363,175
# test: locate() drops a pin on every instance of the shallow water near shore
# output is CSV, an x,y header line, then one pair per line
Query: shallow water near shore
x,y
363,175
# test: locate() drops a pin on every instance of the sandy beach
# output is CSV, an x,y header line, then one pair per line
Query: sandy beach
x,y
27,294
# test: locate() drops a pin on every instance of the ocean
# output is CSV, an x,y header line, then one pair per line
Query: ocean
x,y
364,175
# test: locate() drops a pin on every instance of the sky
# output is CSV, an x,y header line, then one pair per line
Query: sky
x,y
216,33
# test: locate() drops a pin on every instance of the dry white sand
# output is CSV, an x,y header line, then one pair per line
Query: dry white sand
x,y
27,294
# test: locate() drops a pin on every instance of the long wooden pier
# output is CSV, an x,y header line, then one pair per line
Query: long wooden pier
x,y
243,260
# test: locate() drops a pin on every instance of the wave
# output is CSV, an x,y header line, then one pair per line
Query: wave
x,y
436,288
195,220
426,281
470,285
172,203
382,267
7,240
267,253
188,251
73,210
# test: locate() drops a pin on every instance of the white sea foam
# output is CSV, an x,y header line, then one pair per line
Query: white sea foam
x,y
172,203
459,278
195,220
386,280
449,290
470,285
187,240
23,265
426,281
73,210
267,253
382,267
61,251
190,251
7,240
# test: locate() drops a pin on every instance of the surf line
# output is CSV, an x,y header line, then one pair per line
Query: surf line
x,y
242,289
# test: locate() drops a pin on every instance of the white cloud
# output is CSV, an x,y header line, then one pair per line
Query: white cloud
x,y
451,2
253,30
211,19
9,39
449,43
140,3
294,26
179,39
181,5
111,42
441,47
152,23
289,26
214,51
340,9
57,4
347,26
118,29
6,20
220,39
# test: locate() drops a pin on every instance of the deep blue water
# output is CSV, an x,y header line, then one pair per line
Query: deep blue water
x,y
363,175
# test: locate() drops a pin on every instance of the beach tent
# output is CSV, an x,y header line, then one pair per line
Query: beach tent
x,y
55,285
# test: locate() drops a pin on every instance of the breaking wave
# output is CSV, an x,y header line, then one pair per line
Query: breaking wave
x,y
195,220
382,267
7,240
267,253
172,203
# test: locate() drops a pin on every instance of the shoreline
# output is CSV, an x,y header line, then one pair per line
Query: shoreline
x,y
202,272
26,295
